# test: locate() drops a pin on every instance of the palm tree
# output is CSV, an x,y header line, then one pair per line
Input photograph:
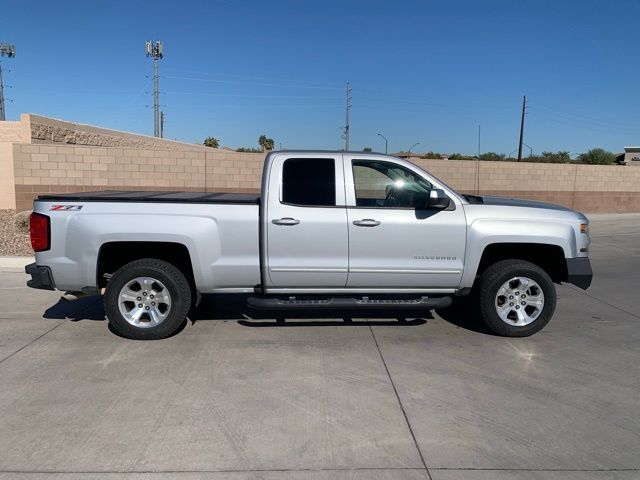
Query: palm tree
x,y
211,142
265,143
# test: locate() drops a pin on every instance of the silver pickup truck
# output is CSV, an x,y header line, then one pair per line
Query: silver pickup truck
x,y
331,230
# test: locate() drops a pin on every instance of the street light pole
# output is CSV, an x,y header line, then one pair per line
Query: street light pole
x,y
386,143
417,143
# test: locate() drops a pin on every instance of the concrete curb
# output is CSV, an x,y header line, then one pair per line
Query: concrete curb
x,y
14,264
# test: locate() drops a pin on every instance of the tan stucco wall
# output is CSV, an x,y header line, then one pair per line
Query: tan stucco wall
x,y
19,131
10,133
7,186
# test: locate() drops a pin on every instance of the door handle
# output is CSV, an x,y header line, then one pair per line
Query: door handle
x,y
285,221
367,222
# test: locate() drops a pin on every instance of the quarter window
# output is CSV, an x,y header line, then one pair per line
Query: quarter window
x,y
388,185
309,182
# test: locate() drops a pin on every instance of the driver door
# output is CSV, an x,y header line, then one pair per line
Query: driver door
x,y
394,240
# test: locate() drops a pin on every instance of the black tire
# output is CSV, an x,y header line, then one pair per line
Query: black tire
x,y
174,281
494,277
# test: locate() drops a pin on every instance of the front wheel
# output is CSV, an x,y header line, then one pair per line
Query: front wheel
x,y
517,298
147,299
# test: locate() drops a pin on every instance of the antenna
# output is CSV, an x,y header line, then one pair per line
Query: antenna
x,y
155,50
10,52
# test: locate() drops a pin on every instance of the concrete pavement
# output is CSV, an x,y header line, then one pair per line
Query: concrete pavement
x,y
232,397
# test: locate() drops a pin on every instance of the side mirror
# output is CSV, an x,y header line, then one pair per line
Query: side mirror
x,y
438,199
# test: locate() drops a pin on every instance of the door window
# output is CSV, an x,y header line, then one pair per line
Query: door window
x,y
388,185
309,182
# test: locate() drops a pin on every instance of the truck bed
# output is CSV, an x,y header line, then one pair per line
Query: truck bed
x,y
145,196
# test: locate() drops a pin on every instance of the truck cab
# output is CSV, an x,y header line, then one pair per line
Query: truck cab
x,y
354,222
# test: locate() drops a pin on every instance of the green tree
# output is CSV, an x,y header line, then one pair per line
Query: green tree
x,y
211,142
367,149
492,156
564,155
265,143
597,156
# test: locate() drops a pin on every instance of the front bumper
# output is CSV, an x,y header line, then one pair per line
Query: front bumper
x,y
579,272
41,277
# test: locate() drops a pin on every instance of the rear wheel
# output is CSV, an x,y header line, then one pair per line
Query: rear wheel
x,y
517,298
147,299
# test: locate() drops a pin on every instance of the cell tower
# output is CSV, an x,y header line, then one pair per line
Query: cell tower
x,y
347,125
154,49
9,51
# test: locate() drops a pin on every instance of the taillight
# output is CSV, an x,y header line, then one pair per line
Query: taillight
x,y
40,232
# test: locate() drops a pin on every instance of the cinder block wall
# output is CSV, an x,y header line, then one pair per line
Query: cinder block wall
x,y
68,168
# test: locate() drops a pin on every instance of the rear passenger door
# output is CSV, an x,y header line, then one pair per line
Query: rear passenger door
x,y
307,234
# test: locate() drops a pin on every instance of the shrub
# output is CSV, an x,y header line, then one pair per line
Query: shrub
x,y
22,221
248,149
597,156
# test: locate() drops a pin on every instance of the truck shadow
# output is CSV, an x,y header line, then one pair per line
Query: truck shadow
x,y
90,307
234,307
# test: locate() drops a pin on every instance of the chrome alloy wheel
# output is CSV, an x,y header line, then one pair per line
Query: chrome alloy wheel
x,y
144,302
519,301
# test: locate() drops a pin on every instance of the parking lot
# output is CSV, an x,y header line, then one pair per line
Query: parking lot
x,y
235,396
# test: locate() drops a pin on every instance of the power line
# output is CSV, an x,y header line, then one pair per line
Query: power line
x,y
154,50
584,125
257,77
240,82
247,95
583,119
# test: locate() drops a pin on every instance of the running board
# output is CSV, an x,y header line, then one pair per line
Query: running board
x,y
292,303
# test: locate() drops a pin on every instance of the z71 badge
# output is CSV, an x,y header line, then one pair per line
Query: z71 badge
x,y
66,208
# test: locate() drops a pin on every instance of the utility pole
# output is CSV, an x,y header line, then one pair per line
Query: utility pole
x,y
524,107
478,165
347,126
161,124
154,49
10,52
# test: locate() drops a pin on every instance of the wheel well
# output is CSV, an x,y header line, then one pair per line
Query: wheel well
x,y
114,255
548,257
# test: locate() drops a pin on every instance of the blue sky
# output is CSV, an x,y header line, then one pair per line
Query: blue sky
x,y
421,71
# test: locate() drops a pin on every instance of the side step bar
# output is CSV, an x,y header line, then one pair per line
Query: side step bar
x,y
293,303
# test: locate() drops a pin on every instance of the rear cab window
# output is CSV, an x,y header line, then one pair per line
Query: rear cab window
x,y
309,182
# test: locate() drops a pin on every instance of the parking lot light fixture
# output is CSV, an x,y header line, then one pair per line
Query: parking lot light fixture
x,y
386,143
